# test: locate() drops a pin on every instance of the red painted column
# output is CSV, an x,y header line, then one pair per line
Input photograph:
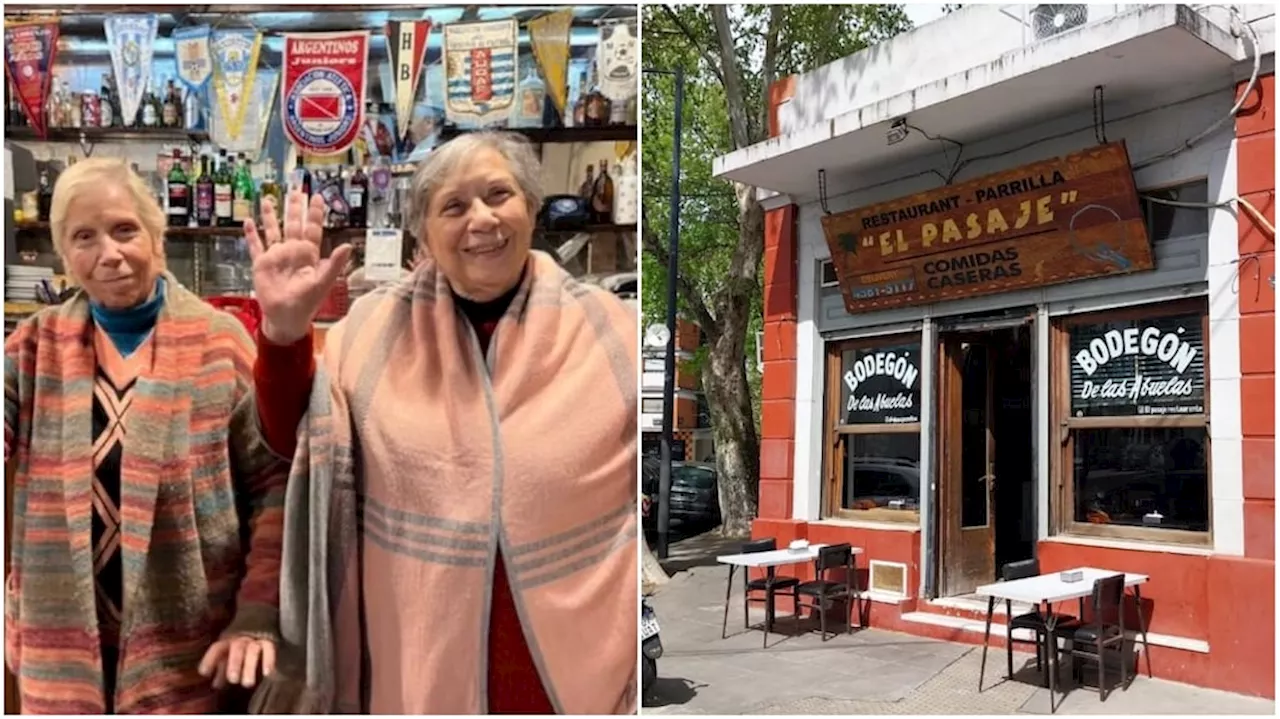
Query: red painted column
x,y
1255,182
778,384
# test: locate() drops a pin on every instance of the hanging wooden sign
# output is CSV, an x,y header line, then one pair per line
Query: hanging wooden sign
x,y
1054,221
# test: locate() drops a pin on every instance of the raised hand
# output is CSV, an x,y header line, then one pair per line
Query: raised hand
x,y
290,280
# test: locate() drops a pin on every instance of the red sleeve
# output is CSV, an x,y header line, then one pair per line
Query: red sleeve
x,y
282,377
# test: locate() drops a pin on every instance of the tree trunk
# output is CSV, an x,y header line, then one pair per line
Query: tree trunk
x,y
725,382
652,575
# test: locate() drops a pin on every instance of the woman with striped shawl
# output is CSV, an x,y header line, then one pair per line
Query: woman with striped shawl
x,y
146,513
460,526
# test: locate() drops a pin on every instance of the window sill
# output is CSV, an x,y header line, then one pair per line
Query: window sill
x,y
867,524
1131,545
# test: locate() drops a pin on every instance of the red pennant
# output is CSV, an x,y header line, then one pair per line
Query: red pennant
x,y
29,49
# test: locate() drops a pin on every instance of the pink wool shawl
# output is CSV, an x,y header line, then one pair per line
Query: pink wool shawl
x,y
419,459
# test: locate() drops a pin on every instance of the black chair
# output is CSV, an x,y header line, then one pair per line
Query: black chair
x,y
1064,624
771,585
824,590
1103,635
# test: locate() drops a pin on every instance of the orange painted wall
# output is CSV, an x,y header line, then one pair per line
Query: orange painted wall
x,y
1255,182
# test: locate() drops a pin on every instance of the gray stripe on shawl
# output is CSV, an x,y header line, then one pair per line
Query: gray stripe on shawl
x,y
573,550
519,550
374,535
495,516
393,530
423,520
626,536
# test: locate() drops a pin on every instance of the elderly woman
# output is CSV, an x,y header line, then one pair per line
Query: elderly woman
x,y
460,525
147,513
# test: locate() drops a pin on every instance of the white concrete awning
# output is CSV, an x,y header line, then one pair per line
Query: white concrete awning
x,y
1139,52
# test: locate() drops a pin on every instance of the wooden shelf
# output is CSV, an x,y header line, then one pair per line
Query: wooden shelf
x,y
345,233
592,229
547,135
107,134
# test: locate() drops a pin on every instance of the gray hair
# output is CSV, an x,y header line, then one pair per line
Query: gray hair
x,y
441,162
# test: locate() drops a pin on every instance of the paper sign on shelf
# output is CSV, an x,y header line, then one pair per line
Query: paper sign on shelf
x,y
382,249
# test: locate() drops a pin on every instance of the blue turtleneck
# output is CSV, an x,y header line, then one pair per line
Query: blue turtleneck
x,y
128,328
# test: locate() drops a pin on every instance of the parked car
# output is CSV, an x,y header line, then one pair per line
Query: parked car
x,y
695,493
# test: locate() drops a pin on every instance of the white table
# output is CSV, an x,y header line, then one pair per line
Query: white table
x,y
771,561
1043,591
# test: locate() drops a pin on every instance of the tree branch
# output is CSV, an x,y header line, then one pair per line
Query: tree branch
x,y
692,298
695,43
738,124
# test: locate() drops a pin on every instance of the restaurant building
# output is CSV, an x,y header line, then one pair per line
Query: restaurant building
x,y
1019,302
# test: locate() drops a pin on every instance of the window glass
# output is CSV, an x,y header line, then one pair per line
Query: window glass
x,y
1168,221
1154,477
651,406
881,470
880,385
1138,367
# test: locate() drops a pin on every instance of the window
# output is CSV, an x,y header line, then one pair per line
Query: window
x,y
1133,411
828,274
1169,221
650,406
873,422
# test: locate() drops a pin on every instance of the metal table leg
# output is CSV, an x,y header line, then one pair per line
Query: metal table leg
x,y
1142,624
724,627
768,608
986,641
1051,647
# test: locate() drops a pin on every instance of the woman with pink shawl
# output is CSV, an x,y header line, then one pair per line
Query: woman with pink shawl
x,y
460,525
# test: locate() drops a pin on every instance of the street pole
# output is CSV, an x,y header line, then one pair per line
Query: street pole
x,y
669,374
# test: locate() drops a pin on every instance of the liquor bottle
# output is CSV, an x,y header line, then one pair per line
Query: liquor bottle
x,y
150,118
244,192
531,96
580,107
222,193
90,109
170,111
602,195
204,195
16,118
271,188
45,197
588,186
357,193
598,106
107,104
191,115
179,193
53,105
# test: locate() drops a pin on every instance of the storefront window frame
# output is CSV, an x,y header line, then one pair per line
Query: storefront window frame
x,y
833,454
1062,469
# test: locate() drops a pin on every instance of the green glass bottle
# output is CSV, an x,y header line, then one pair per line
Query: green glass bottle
x,y
242,205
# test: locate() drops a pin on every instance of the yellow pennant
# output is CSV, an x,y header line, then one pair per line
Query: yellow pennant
x,y
549,36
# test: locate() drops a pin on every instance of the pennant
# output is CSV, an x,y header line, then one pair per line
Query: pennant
x,y
480,70
407,43
191,53
29,50
261,101
131,39
616,62
235,63
549,36
322,95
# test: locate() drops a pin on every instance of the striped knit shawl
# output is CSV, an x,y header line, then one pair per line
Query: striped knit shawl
x,y
417,463
201,511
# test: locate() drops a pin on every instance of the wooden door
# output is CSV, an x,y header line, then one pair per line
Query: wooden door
x,y
967,451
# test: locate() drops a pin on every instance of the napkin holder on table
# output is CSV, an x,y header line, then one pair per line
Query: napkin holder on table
x,y
1071,576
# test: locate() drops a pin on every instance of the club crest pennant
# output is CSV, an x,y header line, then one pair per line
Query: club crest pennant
x,y
549,36
191,52
253,132
322,94
480,71
131,39
407,44
616,61
235,63
29,51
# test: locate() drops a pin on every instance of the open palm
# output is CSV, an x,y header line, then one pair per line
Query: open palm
x,y
290,280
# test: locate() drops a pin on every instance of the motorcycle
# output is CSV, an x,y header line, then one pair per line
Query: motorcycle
x,y
650,645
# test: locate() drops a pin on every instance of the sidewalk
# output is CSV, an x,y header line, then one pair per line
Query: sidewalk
x,y
868,672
